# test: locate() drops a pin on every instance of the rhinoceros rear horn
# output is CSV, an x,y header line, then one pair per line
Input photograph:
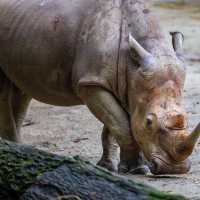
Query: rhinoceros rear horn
x,y
146,60
177,41
135,46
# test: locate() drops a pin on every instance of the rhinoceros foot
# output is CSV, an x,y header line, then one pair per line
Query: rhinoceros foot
x,y
111,165
135,164
124,168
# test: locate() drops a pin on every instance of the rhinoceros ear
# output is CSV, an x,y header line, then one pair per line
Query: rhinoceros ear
x,y
137,48
177,41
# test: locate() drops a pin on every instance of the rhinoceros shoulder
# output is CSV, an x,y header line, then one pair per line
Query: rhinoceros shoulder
x,y
97,50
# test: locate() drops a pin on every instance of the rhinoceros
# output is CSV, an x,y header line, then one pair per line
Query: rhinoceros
x,y
111,55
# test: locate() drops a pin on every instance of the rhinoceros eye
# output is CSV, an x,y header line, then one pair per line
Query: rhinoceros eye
x,y
151,121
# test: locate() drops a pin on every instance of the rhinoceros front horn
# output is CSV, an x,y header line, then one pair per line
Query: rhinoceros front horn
x,y
134,45
185,148
177,41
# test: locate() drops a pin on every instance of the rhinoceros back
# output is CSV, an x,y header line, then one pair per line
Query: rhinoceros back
x,y
48,46
38,40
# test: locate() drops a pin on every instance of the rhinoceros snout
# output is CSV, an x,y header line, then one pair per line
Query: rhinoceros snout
x,y
159,167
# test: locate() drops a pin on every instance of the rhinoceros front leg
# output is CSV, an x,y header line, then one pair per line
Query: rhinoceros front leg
x,y
107,109
7,123
110,156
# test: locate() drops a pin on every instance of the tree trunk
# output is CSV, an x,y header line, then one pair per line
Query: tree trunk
x,y
30,174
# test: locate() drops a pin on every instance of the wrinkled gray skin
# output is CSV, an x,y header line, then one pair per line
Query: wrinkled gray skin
x,y
77,52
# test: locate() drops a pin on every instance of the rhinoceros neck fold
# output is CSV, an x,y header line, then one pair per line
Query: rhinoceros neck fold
x,y
122,67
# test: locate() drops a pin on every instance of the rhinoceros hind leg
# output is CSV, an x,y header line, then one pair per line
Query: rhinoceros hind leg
x,y
7,123
13,106
20,103
110,156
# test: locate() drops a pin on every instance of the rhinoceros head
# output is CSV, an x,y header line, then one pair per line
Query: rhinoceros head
x,y
158,119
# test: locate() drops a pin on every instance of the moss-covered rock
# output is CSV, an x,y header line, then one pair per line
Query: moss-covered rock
x,y
30,174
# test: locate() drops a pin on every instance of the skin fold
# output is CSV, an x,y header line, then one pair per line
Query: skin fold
x,y
110,55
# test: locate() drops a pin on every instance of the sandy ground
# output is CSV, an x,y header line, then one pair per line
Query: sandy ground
x,y
75,131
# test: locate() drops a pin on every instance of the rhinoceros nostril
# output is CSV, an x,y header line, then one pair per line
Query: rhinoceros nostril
x,y
177,121
154,167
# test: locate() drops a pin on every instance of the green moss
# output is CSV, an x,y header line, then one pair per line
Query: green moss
x,y
152,193
26,167
21,165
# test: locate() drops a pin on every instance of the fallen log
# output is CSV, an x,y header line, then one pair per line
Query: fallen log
x,y
30,174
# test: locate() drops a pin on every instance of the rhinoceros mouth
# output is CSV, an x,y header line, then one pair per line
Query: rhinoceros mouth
x,y
158,166
162,160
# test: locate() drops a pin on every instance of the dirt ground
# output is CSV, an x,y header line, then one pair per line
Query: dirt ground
x,y
75,131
